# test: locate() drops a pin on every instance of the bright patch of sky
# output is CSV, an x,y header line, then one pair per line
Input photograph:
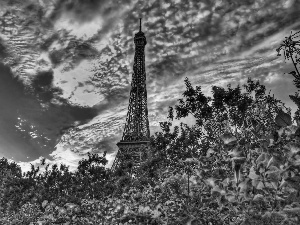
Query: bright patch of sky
x,y
70,82
80,30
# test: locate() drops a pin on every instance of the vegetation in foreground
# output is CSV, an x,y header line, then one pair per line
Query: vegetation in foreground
x,y
238,164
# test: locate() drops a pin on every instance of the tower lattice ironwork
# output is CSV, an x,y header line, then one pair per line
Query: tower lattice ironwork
x,y
136,133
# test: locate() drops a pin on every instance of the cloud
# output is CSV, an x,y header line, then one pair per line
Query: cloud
x,y
88,19
13,101
42,85
86,10
29,124
3,53
67,158
96,136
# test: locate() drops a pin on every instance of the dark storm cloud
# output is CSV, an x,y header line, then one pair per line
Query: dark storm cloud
x,y
58,56
2,50
47,42
107,144
43,88
82,114
73,54
24,120
81,50
43,79
113,98
13,100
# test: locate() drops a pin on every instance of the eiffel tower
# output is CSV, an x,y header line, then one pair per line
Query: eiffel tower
x,y
136,135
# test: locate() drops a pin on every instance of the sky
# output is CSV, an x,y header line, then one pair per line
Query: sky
x,y
66,66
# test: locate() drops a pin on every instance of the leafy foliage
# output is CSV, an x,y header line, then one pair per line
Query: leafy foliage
x,y
291,50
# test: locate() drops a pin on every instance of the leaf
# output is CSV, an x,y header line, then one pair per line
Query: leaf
x,y
294,147
252,174
271,160
200,173
257,184
273,175
279,160
226,181
210,181
209,152
279,198
290,130
169,202
244,186
230,198
44,204
283,119
283,183
216,190
258,197
273,168
192,160
261,158
236,152
254,122
242,141
296,162
228,139
191,221
297,133
276,218
119,207
266,160
292,210
144,209
155,213
280,131
293,182
267,215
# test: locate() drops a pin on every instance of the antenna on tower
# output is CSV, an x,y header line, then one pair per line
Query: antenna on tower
x,y
140,24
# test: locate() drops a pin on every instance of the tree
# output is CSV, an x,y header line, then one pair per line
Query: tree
x,y
291,50
93,173
229,112
233,131
9,172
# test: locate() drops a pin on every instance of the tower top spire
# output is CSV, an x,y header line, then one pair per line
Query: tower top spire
x,y
139,38
140,24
